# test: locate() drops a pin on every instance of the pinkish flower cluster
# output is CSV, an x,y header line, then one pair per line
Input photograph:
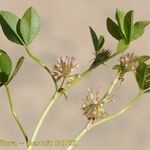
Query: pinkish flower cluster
x,y
64,67
129,61
93,107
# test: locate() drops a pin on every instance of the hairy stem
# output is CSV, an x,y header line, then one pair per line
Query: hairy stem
x,y
15,115
38,61
42,118
115,115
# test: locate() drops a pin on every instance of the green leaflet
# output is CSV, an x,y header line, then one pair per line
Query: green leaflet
x,y
114,29
125,30
143,59
8,23
97,42
143,77
120,19
94,38
5,67
29,25
101,42
101,55
21,31
128,26
18,66
138,29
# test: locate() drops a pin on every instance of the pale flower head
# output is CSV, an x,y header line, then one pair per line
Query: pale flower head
x,y
64,67
93,107
129,61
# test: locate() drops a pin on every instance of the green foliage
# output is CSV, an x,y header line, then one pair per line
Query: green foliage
x,y
29,25
21,31
125,30
9,23
120,69
138,29
120,19
101,55
114,29
101,58
143,77
97,42
122,46
18,66
100,42
143,59
128,26
5,67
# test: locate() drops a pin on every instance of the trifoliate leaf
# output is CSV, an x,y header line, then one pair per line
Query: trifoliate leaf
x,y
5,67
143,77
9,22
114,29
29,25
128,25
138,29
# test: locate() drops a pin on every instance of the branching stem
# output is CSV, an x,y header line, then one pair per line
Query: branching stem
x,y
115,115
38,61
56,95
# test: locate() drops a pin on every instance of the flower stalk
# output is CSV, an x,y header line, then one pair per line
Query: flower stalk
x,y
114,116
42,64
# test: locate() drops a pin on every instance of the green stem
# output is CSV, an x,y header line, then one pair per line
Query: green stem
x,y
38,61
15,115
42,118
85,73
53,99
130,104
86,129
111,88
81,134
